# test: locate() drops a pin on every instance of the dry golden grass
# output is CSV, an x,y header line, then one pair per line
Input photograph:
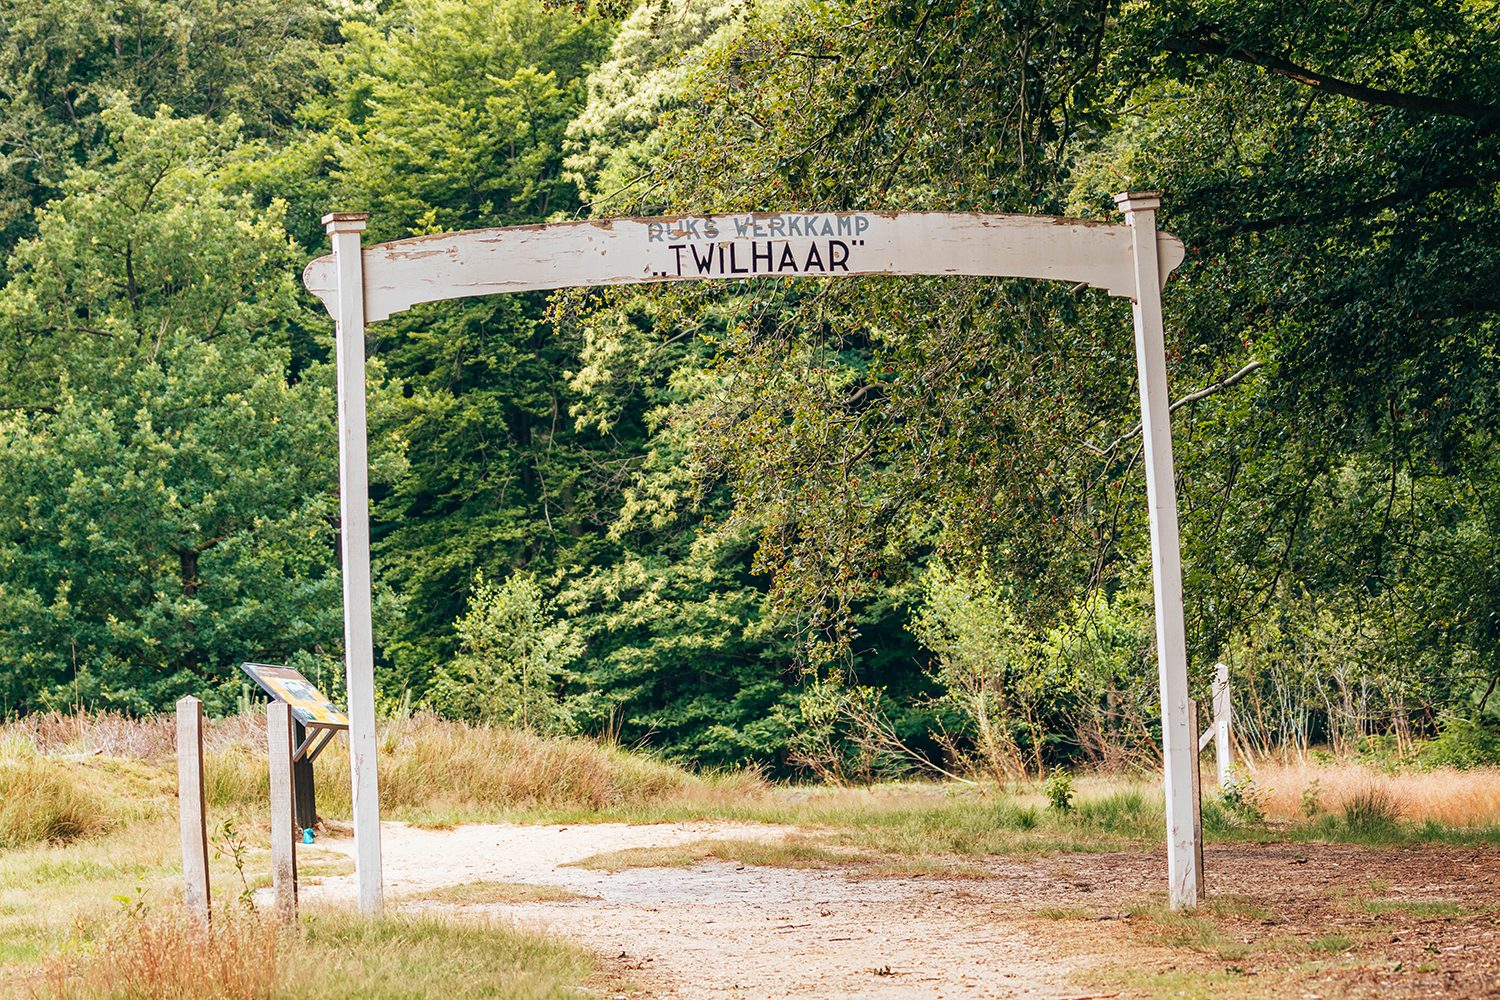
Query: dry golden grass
x,y
43,803
165,957
791,852
160,955
485,892
433,770
1462,799
109,733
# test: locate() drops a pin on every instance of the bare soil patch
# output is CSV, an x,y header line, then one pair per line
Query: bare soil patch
x,y
1284,919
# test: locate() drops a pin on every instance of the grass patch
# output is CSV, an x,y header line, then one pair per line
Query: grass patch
x,y
162,956
313,865
477,893
1196,982
1192,931
1063,913
1230,904
1414,907
1336,943
793,852
46,890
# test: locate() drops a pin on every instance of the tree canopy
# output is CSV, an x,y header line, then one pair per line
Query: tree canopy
x,y
800,523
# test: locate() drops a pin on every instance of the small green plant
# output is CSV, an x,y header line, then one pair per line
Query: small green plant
x,y
1242,797
244,704
133,905
1312,806
1060,791
228,843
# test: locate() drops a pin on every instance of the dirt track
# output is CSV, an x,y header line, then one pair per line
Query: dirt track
x,y
723,930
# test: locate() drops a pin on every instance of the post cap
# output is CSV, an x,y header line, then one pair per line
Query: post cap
x,y
1138,201
345,222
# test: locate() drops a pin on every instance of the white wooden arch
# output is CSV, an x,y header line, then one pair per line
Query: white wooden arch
x,y
360,285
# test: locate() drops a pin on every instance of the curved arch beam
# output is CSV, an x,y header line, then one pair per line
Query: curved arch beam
x,y
1131,261
404,273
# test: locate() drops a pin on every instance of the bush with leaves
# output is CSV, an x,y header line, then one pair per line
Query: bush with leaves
x,y
513,660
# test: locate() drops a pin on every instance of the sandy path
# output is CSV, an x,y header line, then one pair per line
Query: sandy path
x,y
723,930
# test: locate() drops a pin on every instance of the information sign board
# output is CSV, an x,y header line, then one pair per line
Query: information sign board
x,y
309,706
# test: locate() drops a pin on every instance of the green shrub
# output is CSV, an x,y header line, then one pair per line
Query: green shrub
x,y
1241,797
513,660
1463,743
1060,791
1312,805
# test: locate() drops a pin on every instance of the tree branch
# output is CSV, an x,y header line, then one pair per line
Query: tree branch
x,y
1420,103
1191,397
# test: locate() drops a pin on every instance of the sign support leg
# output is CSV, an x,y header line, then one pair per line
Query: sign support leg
x,y
354,513
1179,749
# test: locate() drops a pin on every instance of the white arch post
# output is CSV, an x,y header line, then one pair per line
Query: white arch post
x,y
1131,261
1179,747
348,307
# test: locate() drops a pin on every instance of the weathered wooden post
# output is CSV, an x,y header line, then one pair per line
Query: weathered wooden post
x,y
1223,723
1179,750
192,814
279,749
354,513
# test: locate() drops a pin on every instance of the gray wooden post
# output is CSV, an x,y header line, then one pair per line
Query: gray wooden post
x,y
354,512
192,813
1179,750
279,749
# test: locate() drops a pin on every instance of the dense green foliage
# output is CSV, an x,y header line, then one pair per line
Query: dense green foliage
x,y
848,525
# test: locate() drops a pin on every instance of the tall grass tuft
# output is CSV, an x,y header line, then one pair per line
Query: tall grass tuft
x,y
1371,810
1121,811
42,801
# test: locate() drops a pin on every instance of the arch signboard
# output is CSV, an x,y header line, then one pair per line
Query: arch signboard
x,y
361,285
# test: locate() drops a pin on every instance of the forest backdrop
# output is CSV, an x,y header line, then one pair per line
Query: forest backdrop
x,y
851,528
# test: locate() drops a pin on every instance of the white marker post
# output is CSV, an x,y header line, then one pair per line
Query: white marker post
x,y
1223,721
1179,749
354,514
1125,261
